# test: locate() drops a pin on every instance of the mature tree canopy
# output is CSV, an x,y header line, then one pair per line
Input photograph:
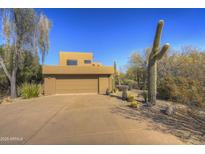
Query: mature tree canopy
x,y
23,31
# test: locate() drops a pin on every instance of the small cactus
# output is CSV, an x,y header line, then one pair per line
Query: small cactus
x,y
130,98
155,55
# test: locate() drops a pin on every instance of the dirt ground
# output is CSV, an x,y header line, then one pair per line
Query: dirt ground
x,y
187,123
78,119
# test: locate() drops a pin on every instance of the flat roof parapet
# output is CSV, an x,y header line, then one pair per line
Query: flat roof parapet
x,y
47,69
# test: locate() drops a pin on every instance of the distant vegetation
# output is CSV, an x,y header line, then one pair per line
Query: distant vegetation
x,y
181,75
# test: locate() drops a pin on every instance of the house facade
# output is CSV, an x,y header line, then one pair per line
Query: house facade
x,y
77,73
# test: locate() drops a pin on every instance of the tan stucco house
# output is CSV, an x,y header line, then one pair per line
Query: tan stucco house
x,y
77,73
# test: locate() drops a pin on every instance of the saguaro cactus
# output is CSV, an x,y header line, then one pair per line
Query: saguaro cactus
x,y
155,55
114,76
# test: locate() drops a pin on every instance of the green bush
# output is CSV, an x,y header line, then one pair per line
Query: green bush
x,y
130,83
130,98
182,90
134,104
29,90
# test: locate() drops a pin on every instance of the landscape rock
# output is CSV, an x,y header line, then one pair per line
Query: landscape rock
x,y
170,110
6,100
148,104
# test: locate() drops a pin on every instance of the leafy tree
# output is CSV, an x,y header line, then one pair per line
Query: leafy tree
x,y
4,82
21,33
137,68
29,71
44,26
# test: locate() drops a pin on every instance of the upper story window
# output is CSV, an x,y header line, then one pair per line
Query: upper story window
x,y
72,62
87,61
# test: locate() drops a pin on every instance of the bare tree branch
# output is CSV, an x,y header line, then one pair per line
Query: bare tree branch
x,y
4,68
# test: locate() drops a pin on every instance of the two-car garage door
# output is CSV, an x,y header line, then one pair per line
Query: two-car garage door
x,y
76,84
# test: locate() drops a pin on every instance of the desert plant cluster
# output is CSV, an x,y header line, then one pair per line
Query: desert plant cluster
x,y
175,77
180,75
167,74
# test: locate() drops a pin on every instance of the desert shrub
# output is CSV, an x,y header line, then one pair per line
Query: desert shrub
x,y
29,90
130,83
144,94
115,90
130,98
135,104
182,90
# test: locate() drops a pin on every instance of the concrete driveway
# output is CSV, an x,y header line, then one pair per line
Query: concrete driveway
x,y
74,119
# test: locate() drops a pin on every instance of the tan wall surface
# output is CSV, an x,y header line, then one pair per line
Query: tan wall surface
x,y
80,56
49,85
77,70
110,82
103,83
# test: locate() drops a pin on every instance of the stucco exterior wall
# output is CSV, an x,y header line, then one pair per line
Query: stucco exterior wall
x,y
77,70
105,82
49,84
110,80
79,56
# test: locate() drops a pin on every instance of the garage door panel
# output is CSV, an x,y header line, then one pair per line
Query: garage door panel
x,y
77,84
66,91
80,82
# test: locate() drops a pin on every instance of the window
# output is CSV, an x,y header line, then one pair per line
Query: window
x,y
72,62
87,61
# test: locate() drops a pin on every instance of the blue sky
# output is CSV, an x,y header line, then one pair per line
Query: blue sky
x,y
113,34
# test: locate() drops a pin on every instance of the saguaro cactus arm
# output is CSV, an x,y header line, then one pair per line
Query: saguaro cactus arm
x,y
160,54
158,36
